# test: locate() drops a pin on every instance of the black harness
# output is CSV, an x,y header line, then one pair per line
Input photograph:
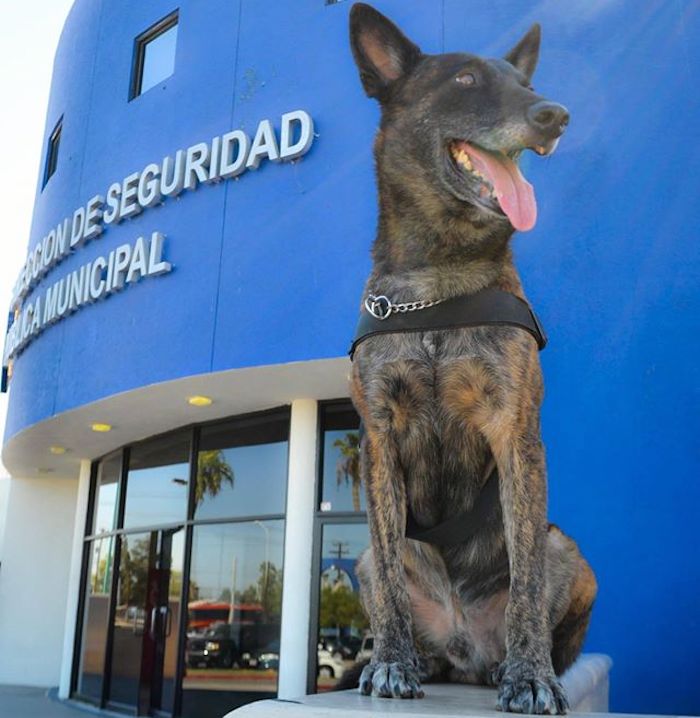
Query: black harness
x,y
490,307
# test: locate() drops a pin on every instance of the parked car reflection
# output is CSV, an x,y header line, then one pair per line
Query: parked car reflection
x,y
215,647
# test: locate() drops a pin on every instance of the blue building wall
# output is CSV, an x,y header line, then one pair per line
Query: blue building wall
x,y
269,268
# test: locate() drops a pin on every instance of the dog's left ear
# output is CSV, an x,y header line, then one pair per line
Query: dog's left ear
x,y
525,54
382,52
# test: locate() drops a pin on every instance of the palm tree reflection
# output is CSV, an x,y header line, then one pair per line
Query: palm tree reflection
x,y
347,469
213,471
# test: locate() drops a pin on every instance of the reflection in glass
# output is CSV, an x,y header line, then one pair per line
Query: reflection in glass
x,y
159,58
342,486
137,553
92,655
234,611
242,468
144,653
108,475
343,625
156,488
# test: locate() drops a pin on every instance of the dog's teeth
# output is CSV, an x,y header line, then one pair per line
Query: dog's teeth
x,y
462,158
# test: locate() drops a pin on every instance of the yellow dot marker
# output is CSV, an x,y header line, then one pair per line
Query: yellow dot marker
x,y
199,400
101,428
57,450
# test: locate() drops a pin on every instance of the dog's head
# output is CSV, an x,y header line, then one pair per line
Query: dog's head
x,y
456,123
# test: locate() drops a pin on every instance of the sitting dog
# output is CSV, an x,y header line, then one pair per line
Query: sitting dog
x,y
441,410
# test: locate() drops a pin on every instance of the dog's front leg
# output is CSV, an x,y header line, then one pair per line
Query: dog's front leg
x,y
527,683
392,670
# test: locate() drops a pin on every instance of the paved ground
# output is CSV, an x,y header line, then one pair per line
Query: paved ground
x,y
24,702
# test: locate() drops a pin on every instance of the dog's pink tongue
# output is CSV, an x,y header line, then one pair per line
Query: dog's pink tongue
x,y
513,191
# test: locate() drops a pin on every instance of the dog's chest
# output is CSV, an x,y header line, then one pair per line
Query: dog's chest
x,y
430,343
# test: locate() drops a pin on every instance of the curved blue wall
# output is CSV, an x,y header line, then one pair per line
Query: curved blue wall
x,y
269,268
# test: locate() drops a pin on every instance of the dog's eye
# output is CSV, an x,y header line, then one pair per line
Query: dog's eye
x,y
466,78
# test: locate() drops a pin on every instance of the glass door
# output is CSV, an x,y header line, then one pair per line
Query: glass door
x,y
144,643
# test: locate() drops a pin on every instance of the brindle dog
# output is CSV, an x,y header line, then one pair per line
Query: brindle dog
x,y
441,408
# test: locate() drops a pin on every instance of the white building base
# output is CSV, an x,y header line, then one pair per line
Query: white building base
x,y
586,682
36,559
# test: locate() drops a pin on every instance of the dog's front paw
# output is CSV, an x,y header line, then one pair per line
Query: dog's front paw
x,y
390,680
525,689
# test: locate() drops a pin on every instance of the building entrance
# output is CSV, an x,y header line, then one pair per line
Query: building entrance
x,y
183,571
144,641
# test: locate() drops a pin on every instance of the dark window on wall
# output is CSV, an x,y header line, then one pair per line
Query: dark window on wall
x,y
154,55
52,152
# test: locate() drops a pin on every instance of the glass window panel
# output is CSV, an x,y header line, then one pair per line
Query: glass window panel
x,y
52,151
95,617
342,489
234,608
107,493
343,625
156,487
158,58
242,468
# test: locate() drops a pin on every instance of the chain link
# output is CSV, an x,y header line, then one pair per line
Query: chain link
x,y
381,307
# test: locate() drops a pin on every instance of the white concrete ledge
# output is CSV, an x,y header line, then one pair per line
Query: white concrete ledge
x,y
586,683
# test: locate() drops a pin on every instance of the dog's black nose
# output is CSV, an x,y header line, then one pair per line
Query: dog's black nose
x,y
548,117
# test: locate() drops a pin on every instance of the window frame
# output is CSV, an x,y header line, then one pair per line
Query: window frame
x,y
139,54
321,519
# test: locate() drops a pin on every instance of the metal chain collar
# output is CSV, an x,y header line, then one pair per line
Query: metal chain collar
x,y
381,307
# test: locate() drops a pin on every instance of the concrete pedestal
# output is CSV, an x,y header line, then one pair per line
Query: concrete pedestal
x,y
586,683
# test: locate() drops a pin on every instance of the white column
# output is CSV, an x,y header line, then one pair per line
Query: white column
x,y
81,509
298,549
34,579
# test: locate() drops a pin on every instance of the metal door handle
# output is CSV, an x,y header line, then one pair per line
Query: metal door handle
x,y
168,615
152,628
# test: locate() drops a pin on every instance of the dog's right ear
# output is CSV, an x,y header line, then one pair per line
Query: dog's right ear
x,y
382,52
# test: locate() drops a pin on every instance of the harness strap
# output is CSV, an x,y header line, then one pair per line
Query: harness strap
x,y
488,307
460,528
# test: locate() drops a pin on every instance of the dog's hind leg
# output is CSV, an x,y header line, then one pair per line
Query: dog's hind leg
x,y
572,590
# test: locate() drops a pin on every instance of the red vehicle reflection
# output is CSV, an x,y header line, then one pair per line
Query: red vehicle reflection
x,y
202,614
